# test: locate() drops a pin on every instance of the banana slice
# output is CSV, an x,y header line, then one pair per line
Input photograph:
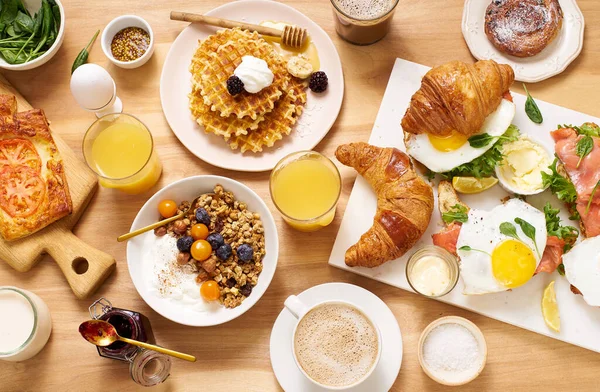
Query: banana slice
x,y
299,67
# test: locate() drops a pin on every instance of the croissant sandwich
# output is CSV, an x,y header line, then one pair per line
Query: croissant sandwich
x,y
455,102
404,203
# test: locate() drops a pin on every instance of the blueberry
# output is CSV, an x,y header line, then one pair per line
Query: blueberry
x,y
245,252
224,252
185,243
215,240
202,216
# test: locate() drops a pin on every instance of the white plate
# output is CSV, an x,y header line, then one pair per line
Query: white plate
x,y
289,376
319,114
549,62
521,306
188,189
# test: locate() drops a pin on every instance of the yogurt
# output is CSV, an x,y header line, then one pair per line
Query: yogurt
x,y
26,324
169,280
254,73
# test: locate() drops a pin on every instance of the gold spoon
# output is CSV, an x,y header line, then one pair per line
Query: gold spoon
x,y
163,222
102,334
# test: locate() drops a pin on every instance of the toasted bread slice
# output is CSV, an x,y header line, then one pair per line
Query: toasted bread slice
x,y
447,197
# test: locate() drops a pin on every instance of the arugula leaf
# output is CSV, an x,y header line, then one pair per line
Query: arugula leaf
x,y
529,231
584,147
484,165
467,248
554,228
509,229
589,204
458,213
559,185
532,109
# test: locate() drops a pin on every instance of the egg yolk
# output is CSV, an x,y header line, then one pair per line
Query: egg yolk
x,y
447,143
513,263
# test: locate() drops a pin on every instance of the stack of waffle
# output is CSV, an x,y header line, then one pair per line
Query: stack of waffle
x,y
247,122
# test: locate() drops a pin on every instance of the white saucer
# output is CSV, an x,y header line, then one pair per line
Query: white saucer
x,y
549,62
319,114
289,376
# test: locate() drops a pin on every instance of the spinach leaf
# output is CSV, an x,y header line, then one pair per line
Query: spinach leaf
x,y
529,231
9,11
24,22
584,147
509,229
458,213
532,109
481,140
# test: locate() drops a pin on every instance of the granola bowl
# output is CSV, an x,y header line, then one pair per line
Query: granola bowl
x,y
243,246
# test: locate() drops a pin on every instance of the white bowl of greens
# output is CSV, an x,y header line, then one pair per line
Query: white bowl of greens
x,y
31,32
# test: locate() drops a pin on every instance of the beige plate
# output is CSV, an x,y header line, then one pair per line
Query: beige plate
x,y
468,325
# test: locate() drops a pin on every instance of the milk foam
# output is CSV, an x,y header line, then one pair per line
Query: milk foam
x,y
365,9
336,344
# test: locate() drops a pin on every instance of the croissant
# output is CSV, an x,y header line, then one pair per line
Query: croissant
x,y
404,203
457,97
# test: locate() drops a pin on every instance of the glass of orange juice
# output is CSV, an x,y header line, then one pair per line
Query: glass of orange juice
x,y
305,187
119,148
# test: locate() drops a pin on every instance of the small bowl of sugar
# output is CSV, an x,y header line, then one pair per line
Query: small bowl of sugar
x,y
452,351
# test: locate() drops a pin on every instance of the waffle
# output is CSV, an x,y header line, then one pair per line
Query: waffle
x,y
214,123
210,45
277,123
220,66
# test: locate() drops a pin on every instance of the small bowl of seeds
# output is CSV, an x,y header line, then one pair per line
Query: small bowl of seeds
x,y
128,41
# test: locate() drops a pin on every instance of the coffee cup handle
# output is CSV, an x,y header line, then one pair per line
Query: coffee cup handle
x,y
295,306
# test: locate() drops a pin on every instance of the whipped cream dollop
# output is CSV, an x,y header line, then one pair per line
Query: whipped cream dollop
x,y
254,73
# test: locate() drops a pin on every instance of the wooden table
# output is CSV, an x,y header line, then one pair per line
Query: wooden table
x,y
235,356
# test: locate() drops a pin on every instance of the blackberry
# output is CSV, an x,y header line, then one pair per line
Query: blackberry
x,y
318,82
235,85
203,217
224,252
185,243
245,252
215,240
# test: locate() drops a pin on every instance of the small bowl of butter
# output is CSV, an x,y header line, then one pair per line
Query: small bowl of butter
x,y
520,171
432,271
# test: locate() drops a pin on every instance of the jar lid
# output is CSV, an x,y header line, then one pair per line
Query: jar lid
x,y
99,307
149,368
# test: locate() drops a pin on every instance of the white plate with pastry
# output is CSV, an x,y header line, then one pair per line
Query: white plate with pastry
x,y
309,117
537,40
520,306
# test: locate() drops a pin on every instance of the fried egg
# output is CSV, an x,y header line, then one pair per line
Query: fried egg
x,y
442,154
582,269
496,261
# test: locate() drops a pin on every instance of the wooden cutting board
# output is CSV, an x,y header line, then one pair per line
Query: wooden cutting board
x,y
84,267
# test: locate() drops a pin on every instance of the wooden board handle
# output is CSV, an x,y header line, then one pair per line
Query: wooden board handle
x,y
84,266
228,24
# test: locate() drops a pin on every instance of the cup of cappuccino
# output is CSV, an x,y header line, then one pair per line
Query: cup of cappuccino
x,y
363,22
335,344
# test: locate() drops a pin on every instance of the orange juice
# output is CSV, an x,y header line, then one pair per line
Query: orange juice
x,y
305,187
119,148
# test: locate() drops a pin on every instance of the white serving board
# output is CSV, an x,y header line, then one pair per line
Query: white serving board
x,y
580,323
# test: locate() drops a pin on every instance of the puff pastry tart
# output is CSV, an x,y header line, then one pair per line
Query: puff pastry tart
x,y
33,187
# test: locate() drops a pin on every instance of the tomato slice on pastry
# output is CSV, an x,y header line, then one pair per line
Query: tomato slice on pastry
x,y
19,152
22,191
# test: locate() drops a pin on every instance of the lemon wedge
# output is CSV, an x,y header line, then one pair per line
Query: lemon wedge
x,y
472,184
550,308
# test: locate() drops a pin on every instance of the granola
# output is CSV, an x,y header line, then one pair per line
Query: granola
x,y
238,226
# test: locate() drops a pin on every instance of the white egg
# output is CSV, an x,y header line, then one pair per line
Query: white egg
x,y
420,147
482,234
582,269
92,86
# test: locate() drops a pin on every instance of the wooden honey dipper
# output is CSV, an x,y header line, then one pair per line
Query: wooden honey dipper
x,y
292,36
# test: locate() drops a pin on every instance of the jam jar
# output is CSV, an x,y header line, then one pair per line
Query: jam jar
x,y
129,324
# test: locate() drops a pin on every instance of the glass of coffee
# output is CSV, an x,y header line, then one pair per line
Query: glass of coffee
x,y
335,344
363,22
